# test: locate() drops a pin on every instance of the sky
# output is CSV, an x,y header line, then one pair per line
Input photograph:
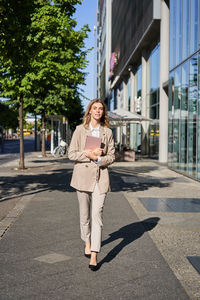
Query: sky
x,y
86,14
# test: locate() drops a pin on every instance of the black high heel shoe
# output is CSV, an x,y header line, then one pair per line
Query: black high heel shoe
x,y
87,255
94,267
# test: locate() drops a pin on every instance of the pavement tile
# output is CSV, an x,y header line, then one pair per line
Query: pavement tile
x,y
52,258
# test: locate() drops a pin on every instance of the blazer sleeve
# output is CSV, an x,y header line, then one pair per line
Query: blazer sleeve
x,y
75,152
109,158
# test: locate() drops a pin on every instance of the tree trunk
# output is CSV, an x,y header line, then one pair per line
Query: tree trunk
x,y
35,132
21,161
43,135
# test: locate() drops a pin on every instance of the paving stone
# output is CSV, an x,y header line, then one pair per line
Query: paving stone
x,y
52,258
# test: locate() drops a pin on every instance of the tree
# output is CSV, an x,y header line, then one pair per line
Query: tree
x,y
74,112
56,68
41,56
8,116
15,54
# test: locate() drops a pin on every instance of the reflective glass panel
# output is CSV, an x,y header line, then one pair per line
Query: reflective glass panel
x,y
139,90
199,26
139,81
121,96
112,101
154,140
178,31
176,117
129,94
155,68
154,100
194,14
172,36
185,30
177,93
170,122
192,114
184,116
198,121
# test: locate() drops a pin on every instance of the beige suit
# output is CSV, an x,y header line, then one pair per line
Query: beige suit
x,y
86,172
91,180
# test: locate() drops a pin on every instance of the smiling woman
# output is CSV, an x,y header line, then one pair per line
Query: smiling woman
x,y
90,175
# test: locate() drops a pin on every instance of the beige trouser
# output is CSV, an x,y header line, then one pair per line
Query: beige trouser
x,y
91,215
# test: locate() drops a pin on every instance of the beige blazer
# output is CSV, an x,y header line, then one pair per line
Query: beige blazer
x,y
86,172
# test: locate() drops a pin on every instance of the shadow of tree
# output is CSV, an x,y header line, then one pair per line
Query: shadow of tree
x,y
128,234
28,184
52,178
39,161
127,181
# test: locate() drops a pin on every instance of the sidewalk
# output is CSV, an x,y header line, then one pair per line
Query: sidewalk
x,y
146,238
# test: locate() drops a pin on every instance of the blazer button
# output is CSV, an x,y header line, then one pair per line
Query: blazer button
x,y
86,166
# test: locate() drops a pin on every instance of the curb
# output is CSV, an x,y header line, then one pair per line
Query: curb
x,y
12,216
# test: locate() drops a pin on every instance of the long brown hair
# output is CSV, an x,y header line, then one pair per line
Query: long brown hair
x,y
87,117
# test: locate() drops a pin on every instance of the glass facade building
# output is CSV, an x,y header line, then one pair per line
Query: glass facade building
x,y
184,87
157,74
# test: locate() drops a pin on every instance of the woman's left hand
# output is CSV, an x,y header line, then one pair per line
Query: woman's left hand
x,y
98,151
91,155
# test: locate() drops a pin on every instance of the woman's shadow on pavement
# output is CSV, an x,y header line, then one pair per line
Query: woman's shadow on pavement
x,y
128,234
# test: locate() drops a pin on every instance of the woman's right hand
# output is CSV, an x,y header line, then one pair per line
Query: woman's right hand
x,y
98,151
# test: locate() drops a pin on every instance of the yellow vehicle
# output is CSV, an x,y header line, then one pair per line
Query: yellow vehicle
x,y
26,132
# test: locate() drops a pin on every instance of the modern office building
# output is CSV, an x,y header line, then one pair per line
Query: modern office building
x,y
154,71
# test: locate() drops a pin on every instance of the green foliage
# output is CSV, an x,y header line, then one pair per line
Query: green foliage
x,y
15,54
56,69
41,54
74,112
8,116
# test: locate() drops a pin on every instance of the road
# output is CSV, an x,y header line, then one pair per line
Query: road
x,y
11,149
11,152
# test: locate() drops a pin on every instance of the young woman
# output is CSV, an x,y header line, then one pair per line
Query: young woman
x,y
90,175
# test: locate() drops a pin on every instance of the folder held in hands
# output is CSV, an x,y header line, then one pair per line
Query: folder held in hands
x,y
92,143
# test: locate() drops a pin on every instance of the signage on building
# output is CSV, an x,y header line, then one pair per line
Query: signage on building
x,y
113,63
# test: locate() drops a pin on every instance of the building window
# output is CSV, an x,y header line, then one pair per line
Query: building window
x,y
113,100
178,31
198,122
184,30
139,81
154,82
121,96
170,119
194,17
129,94
184,87
138,103
184,107
184,116
172,35
192,115
176,117
154,100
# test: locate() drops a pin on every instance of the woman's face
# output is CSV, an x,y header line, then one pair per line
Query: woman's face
x,y
96,111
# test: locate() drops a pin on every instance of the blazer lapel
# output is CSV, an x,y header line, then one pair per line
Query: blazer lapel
x,y
102,136
87,131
